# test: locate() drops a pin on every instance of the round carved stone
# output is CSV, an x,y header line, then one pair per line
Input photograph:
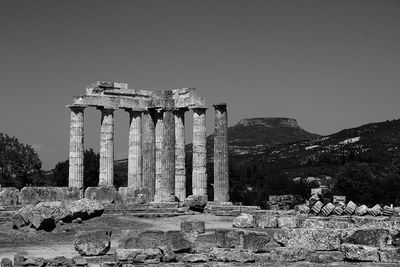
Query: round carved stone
x,y
317,207
361,210
350,208
375,210
327,210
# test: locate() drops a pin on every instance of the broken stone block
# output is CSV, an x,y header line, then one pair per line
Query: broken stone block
x,y
316,208
193,225
227,238
375,210
252,241
389,255
195,258
92,243
303,208
289,221
228,255
104,194
59,261
9,196
196,202
134,195
244,220
359,252
327,209
324,256
137,255
18,220
79,261
57,210
6,262
387,211
313,199
338,210
337,199
175,240
168,254
350,208
84,208
266,221
361,210
41,218
283,254
22,258
369,237
309,239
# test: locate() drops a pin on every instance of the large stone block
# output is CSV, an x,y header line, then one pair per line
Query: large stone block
x,y
18,220
57,210
175,240
84,208
309,239
252,241
369,237
324,257
389,255
41,218
92,243
227,238
193,226
104,194
266,221
137,255
196,202
283,254
244,220
134,195
228,255
359,252
291,221
33,195
9,196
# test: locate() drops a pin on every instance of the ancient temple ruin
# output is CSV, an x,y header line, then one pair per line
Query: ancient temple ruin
x,y
156,155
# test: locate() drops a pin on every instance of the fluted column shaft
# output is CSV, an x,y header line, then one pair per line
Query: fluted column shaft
x,y
76,148
148,152
221,163
159,144
199,175
135,149
106,176
180,169
167,183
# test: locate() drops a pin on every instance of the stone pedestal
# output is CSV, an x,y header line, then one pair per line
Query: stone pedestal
x,y
75,176
135,150
159,144
221,169
106,176
180,169
199,176
149,152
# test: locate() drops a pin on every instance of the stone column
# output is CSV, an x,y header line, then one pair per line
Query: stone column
x,y
149,152
75,176
159,143
221,168
106,177
167,182
199,175
180,168
135,149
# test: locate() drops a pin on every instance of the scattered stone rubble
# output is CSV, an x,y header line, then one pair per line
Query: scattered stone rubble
x,y
46,215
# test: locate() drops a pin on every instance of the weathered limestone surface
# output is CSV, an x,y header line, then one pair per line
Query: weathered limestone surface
x,y
159,128
199,175
244,220
104,194
180,169
221,169
149,152
92,243
134,195
76,148
8,196
33,195
107,147
135,150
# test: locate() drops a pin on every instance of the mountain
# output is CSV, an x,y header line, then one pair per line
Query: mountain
x,y
362,163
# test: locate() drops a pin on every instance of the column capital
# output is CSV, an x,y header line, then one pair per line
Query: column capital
x,y
106,109
199,109
219,106
77,107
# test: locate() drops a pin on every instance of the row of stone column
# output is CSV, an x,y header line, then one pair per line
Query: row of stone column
x,y
156,155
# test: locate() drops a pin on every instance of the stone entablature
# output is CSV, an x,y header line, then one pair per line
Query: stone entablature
x,y
156,154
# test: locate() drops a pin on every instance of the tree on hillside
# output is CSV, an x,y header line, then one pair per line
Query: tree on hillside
x,y
91,170
19,163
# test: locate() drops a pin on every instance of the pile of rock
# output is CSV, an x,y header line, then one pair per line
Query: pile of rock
x,y
22,258
318,206
46,215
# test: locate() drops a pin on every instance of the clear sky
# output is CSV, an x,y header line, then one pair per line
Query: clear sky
x,y
329,64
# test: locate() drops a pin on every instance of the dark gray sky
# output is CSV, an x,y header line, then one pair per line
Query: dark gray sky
x,y
329,64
